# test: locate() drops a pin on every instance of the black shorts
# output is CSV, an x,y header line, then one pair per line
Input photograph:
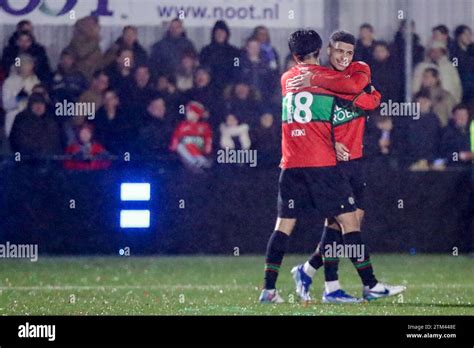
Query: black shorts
x,y
355,173
324,191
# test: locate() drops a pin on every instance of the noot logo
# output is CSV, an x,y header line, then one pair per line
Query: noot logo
x,y
102,8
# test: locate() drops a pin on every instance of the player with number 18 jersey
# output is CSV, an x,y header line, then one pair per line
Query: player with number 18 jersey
x,y
309,177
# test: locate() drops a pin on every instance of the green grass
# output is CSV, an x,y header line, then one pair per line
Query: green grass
x,y
437,285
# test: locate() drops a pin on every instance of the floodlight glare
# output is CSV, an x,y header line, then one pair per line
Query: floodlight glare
x,y
135,191
134,218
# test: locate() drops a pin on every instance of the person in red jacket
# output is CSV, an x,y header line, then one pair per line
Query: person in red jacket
x,y
192,139
86,154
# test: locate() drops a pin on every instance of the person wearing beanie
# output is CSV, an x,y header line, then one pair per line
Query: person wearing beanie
x,y
34,132
219,56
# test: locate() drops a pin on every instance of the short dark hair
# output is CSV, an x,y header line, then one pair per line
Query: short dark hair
x,y
460,29
142,66
303,42
21,23
460,107
367,26
129,27
443,29
381,43
25,33
97,73
432,71
342,36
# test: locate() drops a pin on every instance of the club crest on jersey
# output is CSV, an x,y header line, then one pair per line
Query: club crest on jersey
x,y
298,133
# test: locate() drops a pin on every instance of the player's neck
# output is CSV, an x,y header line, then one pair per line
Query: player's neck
x,y
308,62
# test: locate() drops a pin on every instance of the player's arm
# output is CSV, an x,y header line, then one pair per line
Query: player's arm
x,y
368,101
351,81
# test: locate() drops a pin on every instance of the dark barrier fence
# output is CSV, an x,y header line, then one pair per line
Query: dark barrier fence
x,y
230,207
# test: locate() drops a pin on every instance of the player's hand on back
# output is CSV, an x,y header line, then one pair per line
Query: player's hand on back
x,y
342,152
299,82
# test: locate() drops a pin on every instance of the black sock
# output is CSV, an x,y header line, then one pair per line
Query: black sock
x,y
353,240
316,259
276,249
329,242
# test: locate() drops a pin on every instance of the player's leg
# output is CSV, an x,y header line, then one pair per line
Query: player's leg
x,y
354,244
360,258
291,199
276,249
304,273
332,243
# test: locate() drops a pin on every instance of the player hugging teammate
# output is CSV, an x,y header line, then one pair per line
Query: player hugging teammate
x,y
320,105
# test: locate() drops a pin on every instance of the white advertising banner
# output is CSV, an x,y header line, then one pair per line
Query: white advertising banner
x,y
195,13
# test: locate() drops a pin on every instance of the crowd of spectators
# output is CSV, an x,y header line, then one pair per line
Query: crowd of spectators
x,y
176,102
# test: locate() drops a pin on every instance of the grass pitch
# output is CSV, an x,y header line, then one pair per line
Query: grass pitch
x,y
203,285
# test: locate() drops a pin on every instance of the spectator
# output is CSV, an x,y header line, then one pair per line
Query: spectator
x,y
2,76
289,62
35,133
257,72
364,49
220,56
378,140
174,99
398,52
21,26
441,33
94,94
383,72
204,92
269,53
455,142
113,129
155,134
464,53
128,41
167,53
448,74
68,82
17,88
399,45
141,91
244,104
43,90
266,140
86,153
3,139
192,139
25,45
120,72
234,135
441,100
423,135
85,46
185,72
